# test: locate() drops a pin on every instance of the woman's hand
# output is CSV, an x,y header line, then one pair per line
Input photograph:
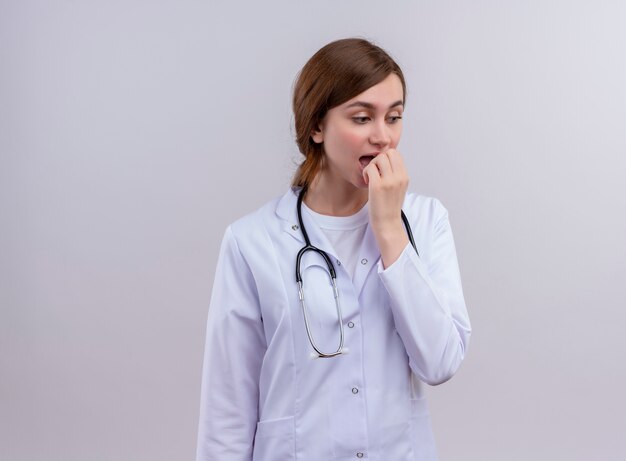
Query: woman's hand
x,y
387,181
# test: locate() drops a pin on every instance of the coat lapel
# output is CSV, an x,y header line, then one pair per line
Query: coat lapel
x,y
286,210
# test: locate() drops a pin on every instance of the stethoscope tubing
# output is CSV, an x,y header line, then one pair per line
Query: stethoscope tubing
x,y
333,277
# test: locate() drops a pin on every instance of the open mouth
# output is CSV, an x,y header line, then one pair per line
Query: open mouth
x,y
365,160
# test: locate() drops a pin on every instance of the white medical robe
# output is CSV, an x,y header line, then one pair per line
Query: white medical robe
x,y
264,398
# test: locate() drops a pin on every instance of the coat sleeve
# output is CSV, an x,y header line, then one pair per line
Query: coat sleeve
x,y
428,305
235,346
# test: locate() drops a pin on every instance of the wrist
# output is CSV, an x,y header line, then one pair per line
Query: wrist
x,y
392,240
388,230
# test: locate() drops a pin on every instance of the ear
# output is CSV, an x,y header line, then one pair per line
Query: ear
x,y
317,135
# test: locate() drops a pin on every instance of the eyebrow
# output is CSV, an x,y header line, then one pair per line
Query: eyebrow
x,y
368,105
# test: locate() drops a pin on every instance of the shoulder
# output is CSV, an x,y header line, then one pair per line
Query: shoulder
x,y
256,218
423,208
429,222
256,227
254,239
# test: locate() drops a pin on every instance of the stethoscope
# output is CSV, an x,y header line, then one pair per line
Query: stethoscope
x,y
333,276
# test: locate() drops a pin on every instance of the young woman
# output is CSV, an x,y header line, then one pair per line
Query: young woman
x,y
303,365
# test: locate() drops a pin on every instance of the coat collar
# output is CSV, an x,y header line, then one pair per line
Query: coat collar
x,y
369,254
287,211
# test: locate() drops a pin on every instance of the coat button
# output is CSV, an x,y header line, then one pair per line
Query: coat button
x,y
364,261
359,455
350,324
295,227
355,390
338,263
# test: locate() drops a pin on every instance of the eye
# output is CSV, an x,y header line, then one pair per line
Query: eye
x,y
361,119
394,118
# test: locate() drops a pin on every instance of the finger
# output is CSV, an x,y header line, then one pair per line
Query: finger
x,y
371,175
397,165
381,162
395,160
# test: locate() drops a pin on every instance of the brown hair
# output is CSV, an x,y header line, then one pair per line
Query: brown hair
x,y
335,74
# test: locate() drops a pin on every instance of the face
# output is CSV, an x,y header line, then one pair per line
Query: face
x,y
354,132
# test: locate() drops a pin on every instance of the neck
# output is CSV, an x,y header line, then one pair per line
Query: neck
x,y
334,196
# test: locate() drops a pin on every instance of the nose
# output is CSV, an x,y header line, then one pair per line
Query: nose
x,y
380,135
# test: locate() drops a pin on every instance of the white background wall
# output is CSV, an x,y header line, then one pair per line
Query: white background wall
x,y
133,132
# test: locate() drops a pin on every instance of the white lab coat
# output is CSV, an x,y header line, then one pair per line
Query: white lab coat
x,y
264,398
